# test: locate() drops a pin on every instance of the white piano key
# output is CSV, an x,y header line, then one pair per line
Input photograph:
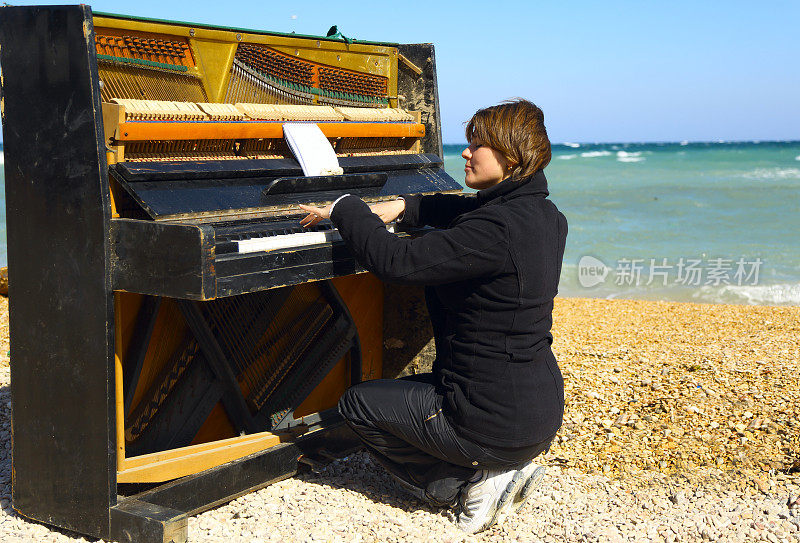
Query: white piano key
x,y
288,241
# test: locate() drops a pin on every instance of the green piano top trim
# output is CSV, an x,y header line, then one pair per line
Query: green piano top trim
x,y
235,29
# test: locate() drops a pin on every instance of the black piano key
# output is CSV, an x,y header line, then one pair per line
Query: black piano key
x,y
226,247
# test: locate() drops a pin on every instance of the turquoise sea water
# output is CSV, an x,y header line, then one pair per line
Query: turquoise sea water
x,y
705,222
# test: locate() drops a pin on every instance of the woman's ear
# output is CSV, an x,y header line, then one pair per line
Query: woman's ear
x,y
510,165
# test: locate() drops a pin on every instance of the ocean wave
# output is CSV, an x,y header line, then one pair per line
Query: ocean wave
x,y
595,154
773,173
2,158
797,157
565,157
779,294
623,156
573,145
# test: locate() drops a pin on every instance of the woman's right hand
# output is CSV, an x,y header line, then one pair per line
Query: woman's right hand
x,y
388,211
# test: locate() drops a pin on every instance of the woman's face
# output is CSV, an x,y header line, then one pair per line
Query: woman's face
x,y
485,166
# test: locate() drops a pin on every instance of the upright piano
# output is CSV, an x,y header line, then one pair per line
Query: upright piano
x,y
177,339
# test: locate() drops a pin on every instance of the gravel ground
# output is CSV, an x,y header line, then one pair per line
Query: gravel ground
x,y
681,425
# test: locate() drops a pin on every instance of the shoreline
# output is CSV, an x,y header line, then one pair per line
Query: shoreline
x,y
690,302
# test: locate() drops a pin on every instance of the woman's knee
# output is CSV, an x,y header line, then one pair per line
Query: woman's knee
x,y
373,403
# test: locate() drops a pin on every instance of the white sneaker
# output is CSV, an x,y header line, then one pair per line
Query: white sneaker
x,y
531,476
487,499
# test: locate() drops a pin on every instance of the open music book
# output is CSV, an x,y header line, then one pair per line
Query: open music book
x,y
311,149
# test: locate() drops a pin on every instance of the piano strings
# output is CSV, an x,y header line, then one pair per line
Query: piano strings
x,y
146,65
131,81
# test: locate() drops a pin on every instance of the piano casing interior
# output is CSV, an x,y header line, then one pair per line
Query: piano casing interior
x,y
177,339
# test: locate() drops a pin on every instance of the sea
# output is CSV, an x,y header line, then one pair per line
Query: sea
x,y
713,222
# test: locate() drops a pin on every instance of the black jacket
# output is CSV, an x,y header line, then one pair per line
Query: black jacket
x,y
492,272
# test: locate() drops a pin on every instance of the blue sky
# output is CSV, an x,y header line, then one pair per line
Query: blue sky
x,y
601,71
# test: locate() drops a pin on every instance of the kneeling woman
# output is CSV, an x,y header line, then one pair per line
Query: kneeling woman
x,y
466,434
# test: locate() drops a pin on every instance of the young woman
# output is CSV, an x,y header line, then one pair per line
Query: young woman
x,y
466,434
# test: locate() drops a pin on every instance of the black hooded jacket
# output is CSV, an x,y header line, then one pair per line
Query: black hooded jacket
x,y
492,272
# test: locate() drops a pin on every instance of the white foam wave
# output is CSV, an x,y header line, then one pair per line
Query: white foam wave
x,y
773,173
684,143
595,154
623,156
2,157
780,294
566,157
573,145
797,157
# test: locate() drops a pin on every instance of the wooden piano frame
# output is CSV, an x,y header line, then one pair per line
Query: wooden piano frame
x,y
69,259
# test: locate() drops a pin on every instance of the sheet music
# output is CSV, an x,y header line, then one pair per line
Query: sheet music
x,y
311,149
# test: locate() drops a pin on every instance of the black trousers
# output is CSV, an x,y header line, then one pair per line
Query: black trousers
x,y
401,423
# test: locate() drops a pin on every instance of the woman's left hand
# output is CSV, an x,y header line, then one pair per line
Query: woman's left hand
x,y
315,214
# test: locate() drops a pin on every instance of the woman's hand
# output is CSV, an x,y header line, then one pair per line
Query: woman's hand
x,y
388,211
315,214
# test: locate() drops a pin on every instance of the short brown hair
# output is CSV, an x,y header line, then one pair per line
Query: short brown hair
x,y
516,129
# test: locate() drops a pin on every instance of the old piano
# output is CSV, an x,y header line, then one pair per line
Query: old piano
x,y
177,340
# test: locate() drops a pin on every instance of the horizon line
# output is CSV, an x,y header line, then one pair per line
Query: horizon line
x,y
680,142
641,142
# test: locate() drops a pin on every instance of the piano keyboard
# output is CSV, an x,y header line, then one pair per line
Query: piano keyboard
x,y
275,239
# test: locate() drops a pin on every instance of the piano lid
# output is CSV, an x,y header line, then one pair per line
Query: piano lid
x,y
171,190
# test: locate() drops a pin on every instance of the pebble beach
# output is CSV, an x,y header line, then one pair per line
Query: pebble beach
x,y
682,423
